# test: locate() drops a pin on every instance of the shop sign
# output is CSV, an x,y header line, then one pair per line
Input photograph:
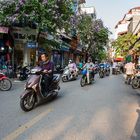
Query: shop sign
x,y
28,31
4,30
31,45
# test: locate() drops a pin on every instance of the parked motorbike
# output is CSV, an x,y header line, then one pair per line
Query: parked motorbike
x,y
59,69
68,75
5,82
23,73
136,81
84,80
35,90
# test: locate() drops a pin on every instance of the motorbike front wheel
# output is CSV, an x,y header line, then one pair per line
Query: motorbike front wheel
x,y
64,79
5,84
27,102
107,73
83,82
101,74
135,83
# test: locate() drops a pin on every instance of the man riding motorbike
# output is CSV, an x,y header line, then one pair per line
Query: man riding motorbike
x,y
48,68
89,67
130,70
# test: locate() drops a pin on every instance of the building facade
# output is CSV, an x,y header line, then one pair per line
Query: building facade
x,y
129,23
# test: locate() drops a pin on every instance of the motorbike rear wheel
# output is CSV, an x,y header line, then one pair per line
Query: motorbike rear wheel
x,y
5,84
135,83
27,103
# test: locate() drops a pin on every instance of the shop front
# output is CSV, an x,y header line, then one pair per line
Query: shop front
x,y
6,47
25,46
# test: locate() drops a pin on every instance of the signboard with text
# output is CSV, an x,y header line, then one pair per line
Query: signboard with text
x,y
31,45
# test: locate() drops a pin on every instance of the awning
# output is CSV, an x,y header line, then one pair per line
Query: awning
x,y
119,59
4,30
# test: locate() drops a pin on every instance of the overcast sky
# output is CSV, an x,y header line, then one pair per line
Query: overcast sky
x,y
111,11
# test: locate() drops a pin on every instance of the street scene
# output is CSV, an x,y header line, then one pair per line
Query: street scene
x,y
69,70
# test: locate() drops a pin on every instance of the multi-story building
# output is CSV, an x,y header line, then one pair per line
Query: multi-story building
x,y
89,11
129,23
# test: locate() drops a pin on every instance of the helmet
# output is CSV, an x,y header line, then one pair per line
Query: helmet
x,y
70,61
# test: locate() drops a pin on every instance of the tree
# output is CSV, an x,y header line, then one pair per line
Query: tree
x,y
123,43
52,15
93,33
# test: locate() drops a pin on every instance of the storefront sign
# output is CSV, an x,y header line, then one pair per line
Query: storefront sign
x,y
31,45
4,30
28,31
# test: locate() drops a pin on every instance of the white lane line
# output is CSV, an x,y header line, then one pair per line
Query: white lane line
x,y
23,128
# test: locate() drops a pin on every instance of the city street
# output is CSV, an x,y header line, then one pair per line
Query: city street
x,y
106,110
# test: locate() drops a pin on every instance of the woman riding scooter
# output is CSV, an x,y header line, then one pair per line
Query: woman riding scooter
x,y
72,67
89,67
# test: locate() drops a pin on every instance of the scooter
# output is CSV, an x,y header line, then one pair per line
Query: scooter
x,y
34,93
136,80
5,82
59,69
23,73
84,80
68,75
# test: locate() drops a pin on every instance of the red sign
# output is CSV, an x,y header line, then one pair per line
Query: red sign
x,y
4,30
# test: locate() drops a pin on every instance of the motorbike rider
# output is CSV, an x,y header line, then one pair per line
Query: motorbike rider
x,y
72,67
130,69
89,67
48,68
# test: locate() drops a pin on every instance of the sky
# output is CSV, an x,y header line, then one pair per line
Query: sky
x,y
112,11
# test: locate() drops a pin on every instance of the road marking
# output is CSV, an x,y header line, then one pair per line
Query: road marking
x,y
26,126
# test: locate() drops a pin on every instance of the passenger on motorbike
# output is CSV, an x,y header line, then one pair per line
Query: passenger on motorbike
x,y
72,67
89,66
48,68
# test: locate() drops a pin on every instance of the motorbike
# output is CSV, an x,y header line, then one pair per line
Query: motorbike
x,y
59,69
96,69
69,75
84,80
34,93
128,79
116,70
23,73
136,81
107,71
5,82
102,72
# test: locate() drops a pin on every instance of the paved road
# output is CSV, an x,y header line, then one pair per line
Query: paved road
x,y
106,110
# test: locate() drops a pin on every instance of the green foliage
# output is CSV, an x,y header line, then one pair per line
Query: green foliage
x,y
47,14
123,43
93,33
